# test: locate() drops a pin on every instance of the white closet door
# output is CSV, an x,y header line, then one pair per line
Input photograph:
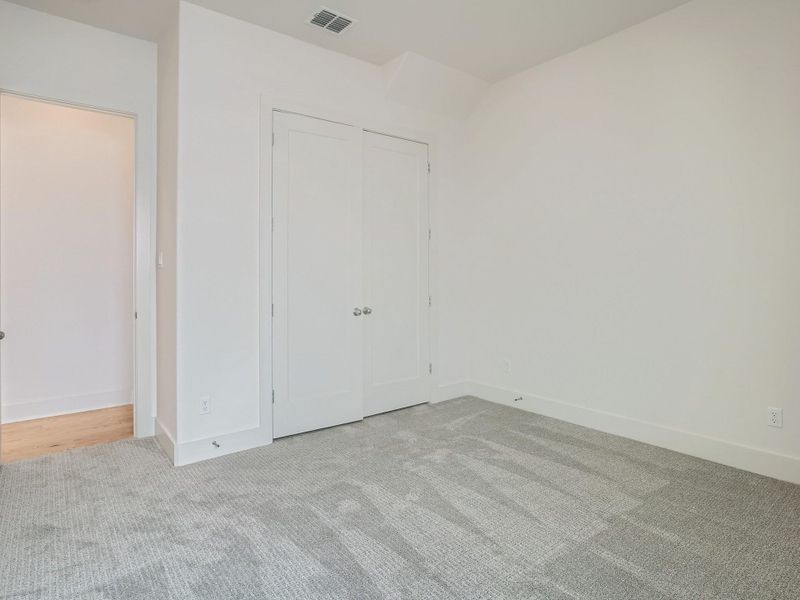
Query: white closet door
x,y
397,348
317,277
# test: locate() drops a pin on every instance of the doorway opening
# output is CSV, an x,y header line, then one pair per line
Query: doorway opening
x,y
67,277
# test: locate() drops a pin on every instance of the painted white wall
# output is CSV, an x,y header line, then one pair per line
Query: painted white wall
x,y
66,259
50,57
226,66
635,234
166,242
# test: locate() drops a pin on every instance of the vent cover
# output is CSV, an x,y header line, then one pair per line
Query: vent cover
x,y
330,20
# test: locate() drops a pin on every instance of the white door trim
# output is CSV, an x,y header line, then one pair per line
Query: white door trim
x,y
144,274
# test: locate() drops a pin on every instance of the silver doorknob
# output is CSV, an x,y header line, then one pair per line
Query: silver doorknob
x,y
2,334
357,312
367,310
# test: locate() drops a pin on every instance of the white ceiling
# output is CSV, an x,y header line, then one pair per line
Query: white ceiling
x,y
139,18
490,39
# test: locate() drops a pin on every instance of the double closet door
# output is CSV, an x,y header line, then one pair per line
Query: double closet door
x,y
350,274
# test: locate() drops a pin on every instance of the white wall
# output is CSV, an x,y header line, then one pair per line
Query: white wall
x,y
54,58
66,259
635,234
166,259
226,66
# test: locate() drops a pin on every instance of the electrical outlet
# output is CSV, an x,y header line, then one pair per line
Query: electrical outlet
x,y
775,417
518,399
205,405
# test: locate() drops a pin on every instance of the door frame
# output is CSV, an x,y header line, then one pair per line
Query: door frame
x,y
269,104
144,279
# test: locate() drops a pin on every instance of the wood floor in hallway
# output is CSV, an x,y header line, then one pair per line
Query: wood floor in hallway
x,y
38,437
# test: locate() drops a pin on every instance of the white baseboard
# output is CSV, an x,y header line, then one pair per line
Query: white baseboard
x,y
165,440
448,391
194,451
755,460
63,405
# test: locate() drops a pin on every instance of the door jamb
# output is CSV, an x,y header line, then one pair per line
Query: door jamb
x,y
144,275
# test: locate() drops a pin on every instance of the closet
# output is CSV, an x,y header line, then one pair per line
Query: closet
x,y
350,289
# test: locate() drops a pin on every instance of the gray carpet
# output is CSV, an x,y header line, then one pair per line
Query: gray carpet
x,y
463,499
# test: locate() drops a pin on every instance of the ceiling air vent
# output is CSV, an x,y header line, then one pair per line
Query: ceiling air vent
x,y
330,20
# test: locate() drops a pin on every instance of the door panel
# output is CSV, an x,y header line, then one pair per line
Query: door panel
x,y
397,354
318,341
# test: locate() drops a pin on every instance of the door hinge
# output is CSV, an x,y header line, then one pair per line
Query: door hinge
x,y
430,368
273,138
429,234
429,167
135,315
273,310
430,301
273,396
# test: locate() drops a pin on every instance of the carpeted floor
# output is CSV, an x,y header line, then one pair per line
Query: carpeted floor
x,y
463,499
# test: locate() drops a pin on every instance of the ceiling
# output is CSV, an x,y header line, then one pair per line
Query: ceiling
x,y
490,39
139,18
